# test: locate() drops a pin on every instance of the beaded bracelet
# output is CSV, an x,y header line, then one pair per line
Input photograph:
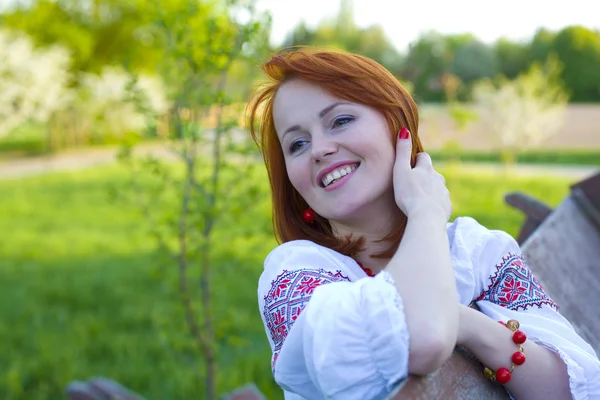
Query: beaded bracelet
x,y
503,375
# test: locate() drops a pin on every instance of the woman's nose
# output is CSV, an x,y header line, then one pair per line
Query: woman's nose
x,y
323,148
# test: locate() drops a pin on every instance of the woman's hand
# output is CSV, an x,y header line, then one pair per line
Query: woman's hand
x,y
418,189
422,266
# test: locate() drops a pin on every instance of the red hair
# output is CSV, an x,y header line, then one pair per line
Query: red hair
x,y
346,76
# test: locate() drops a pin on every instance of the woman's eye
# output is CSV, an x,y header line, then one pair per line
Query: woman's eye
x,y
297,145
341,121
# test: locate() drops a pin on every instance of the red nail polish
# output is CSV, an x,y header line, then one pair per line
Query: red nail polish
x,y
403,134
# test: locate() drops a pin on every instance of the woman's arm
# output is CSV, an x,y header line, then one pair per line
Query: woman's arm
x,y
505,289
424,278
542,376
422,267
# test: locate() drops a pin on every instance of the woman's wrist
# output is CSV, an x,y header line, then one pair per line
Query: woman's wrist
x,y
432,216
474,327
543,376
490,341
464,321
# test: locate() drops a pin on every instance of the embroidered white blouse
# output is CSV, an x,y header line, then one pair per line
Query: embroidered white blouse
x,y
337,334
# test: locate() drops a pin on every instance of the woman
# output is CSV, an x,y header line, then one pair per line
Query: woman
x,y
372,283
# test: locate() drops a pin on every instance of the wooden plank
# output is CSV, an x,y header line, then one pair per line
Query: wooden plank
x,y
461,377
564,254
591,188
246,392
535,213
587,196
99,389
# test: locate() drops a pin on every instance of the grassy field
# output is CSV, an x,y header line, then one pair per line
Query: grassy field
x,y
83,292
546,157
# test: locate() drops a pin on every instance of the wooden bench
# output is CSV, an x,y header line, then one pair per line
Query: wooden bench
x,y
460,377
562,248
563,251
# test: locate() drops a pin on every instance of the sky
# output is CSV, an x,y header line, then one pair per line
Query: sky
x,y
403,21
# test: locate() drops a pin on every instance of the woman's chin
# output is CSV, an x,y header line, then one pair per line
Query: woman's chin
x,y
344,214
365,212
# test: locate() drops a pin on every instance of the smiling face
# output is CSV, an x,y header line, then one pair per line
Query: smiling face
x,y
339,155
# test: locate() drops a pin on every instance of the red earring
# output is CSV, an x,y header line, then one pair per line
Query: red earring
x,y
309,216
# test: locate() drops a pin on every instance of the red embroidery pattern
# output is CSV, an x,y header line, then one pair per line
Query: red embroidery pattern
x,y
513,286
288,296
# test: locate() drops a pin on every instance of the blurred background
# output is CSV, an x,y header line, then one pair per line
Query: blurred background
x,y
134,209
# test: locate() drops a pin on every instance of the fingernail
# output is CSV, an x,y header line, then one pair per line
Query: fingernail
x,y
403,134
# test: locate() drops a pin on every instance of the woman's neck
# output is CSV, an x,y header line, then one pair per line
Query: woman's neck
x,y
372,226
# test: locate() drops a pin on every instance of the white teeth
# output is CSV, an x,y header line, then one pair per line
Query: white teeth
x,y
329,178
337,174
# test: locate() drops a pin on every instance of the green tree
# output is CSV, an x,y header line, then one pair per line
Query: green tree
x,y
300,35
342,32
455,42
579,50
513,57
344,23
200,45
473,61
425,65
98,33
48,23
541,44
373,43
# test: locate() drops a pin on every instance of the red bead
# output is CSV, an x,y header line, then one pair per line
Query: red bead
x,y
367,270
308,216
518,358
519,337
502,376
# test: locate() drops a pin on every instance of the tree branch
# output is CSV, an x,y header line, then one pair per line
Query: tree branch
x,y
203,338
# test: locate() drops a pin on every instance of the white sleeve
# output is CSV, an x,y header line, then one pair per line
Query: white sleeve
x,y
331,338
507,289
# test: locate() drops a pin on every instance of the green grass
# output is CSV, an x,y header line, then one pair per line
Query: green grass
x,y
558,157
24,142
83,294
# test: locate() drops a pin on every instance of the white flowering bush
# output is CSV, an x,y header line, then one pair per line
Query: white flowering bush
x,y
525,111
33,81
117,105
36,86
